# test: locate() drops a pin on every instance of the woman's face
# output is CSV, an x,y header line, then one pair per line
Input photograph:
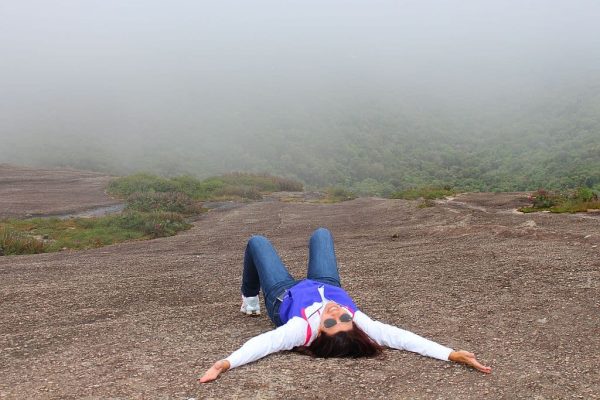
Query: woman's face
x,y
340,315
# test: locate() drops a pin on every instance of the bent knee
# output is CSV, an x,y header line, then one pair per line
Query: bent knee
x,y
256,240
321,232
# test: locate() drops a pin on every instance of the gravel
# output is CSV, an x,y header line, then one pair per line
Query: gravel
x,y
144,319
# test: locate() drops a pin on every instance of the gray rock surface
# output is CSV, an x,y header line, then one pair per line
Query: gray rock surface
x,y
144,319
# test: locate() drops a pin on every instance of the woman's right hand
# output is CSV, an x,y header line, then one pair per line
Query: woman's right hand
x,y
467,358
213,372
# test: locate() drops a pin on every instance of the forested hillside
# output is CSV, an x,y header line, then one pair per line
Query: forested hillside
x,y
385,141
480,96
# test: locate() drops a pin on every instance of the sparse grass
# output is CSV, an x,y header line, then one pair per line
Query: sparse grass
x,y
262,182
168,201
145,183
141,183
42,235
426,193
426,203
15,242
155,207
574,201
338,194
238,192
229,186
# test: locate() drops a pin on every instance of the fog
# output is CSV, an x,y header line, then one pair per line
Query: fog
x,y
203,87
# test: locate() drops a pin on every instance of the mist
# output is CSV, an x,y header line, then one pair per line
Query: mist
x,y
300,88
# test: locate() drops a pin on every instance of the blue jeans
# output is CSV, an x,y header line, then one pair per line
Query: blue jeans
x,y
263,269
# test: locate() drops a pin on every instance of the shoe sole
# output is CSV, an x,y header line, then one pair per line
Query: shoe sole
x,y
251,313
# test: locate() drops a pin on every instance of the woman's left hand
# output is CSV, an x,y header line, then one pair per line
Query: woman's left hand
x,y
213,372
467,358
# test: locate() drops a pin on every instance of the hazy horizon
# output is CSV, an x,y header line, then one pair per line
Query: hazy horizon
x,y
195,85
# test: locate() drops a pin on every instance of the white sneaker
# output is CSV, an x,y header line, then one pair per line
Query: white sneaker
x,y
250,305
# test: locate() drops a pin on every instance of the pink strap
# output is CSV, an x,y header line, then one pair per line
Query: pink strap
x,y
308,328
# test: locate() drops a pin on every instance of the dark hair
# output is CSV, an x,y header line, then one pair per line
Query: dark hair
x,y
353,343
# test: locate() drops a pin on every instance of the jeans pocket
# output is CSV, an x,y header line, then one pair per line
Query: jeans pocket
x,y
276,318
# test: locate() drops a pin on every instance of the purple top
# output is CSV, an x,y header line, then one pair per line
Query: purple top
x,y
306,293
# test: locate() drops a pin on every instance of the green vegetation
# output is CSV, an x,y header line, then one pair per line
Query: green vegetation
x,y
426,193
41,235
426,203
377,143
233,185
573,201
155,207
15,242
174,202
337,194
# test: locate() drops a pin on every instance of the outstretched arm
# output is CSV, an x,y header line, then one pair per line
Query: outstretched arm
x,y
285,337
394,337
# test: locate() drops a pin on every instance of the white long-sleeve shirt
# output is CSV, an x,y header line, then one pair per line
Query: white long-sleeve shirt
x,y
298,332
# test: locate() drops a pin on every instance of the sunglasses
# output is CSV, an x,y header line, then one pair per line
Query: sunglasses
x,y
330,322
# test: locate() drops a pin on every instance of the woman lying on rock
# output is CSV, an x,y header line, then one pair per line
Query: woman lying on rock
x,y
315,316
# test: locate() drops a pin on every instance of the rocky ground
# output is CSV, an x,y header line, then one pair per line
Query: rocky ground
x,y
144,319
31,192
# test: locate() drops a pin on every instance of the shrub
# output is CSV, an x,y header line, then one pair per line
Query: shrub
x,y
243,191
13,243
262,182
236,184
128,185
289,185
154,224
336,194
208,188
160,224
189,185
585,194
544,199
170,201
579,200
426,203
